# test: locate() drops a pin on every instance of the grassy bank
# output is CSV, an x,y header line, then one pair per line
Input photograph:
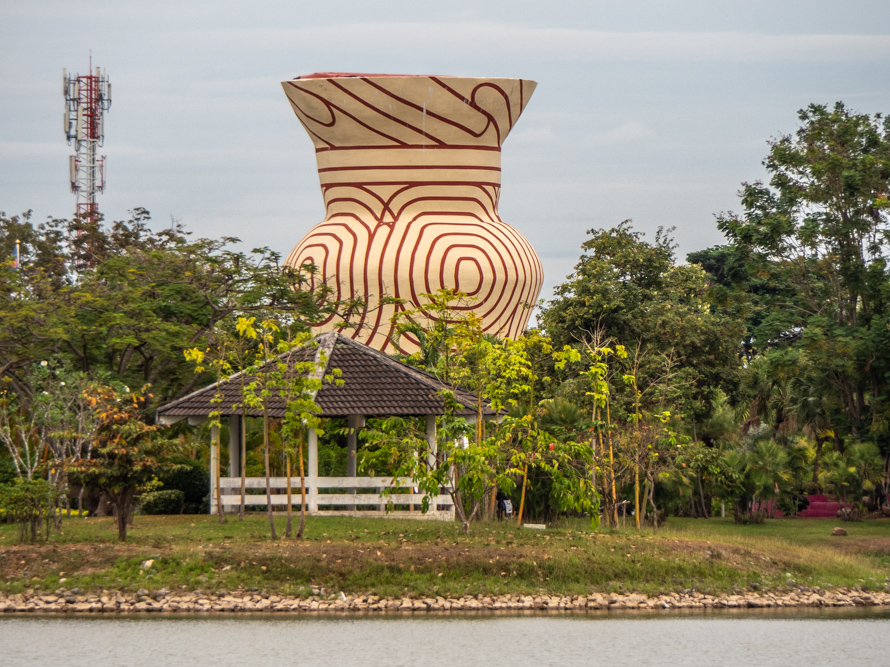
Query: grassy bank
x,y
393,557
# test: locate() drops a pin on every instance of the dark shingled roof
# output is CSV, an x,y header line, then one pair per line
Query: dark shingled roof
x,y
374,385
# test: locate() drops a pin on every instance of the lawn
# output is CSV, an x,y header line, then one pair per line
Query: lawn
x,y
391,557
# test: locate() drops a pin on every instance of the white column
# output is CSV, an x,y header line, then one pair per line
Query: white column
x,y
432,450
312,479
214,456
431,439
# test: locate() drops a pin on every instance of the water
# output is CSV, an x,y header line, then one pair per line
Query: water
x,y
819,638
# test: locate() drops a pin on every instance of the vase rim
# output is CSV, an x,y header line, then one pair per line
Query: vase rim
x,y
365,75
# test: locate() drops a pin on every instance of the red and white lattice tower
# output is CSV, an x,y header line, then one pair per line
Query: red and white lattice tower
x,y
87,98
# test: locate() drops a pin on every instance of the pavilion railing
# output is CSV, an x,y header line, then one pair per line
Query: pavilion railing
x,y
335,496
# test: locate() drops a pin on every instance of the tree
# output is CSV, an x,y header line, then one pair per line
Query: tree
x,y
127,455
475,460
29,503
55,427
820,228
626,289
297,380
261,387
128,300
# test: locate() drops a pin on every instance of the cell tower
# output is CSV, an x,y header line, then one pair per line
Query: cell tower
x,y
87,98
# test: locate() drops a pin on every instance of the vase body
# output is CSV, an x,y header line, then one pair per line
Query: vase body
x,y
410,172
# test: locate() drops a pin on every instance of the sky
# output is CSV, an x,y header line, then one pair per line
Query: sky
x,y
653,111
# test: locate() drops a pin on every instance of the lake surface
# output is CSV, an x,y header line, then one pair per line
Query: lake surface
x,y
826,637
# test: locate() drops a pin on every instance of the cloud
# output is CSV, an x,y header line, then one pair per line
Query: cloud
x,y
496,40
28,150
627,132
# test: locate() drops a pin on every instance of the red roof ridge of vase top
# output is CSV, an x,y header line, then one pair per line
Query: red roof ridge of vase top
x,y
341,75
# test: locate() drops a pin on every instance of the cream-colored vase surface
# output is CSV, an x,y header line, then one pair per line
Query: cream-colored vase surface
x,y
410,171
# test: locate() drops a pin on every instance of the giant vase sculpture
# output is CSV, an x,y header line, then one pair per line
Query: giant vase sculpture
x,y
410,171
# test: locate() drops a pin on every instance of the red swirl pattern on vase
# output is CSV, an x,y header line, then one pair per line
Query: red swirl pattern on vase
x,y
410,171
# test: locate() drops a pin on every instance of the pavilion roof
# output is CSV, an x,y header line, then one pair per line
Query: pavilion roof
x,y
374,385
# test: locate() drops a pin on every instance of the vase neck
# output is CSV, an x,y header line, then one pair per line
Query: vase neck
x,y
447,178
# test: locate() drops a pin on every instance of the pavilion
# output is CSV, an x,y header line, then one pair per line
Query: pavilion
x,y
374,385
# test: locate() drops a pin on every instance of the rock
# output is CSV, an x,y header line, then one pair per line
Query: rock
x,y
838,532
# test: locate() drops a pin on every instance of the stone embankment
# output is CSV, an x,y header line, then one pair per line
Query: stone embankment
x,y
167,602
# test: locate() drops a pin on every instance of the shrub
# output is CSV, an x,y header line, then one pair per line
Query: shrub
x,y
749,517
168,501
29,502
7,471
849,514
192,480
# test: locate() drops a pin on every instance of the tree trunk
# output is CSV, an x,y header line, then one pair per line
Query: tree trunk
x,y
123,503
459,508
885,482
612,476
522,497
266,460
701,494
243,428
290,515
816,459
462,515
652,502
637,495
458,501
220,510
607,501
102,508
302,491
645,499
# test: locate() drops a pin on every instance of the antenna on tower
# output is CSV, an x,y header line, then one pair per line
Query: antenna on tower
x,y
87,98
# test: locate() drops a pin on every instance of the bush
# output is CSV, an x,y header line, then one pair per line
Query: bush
x,y
849,514
7,471
192,480
749,517
29,502
168,501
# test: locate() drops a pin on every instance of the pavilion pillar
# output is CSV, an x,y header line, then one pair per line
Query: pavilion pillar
x,y
431,440
312,480
234,445
214,466
432,449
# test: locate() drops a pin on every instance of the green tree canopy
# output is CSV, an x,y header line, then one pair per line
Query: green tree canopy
x,y
625,289
819,230
127,300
